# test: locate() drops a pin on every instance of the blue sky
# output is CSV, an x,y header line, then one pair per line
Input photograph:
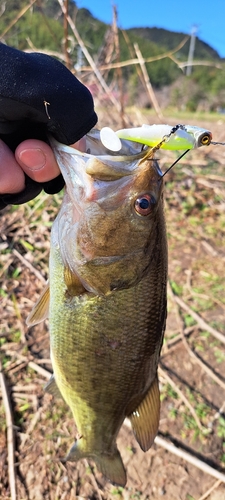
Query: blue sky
x,y
175,15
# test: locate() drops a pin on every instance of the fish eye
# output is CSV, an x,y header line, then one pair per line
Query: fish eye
x,y
143,205
205,139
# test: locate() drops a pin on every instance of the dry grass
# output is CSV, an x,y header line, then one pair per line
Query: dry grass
x,y
193,412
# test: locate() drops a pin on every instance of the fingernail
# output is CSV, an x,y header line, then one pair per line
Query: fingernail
x,y
33,159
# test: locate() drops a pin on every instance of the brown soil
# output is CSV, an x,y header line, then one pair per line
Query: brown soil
x,y
43,427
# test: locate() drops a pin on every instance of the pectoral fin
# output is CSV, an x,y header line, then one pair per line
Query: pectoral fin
x,y
40,310
73,283
52,388
145,419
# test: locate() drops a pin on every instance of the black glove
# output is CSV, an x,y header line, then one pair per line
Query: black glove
x,y
38,96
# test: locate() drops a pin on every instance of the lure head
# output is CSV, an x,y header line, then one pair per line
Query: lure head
x,y
201,136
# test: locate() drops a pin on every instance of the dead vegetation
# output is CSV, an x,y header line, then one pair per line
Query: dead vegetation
x,y
187,461
36,431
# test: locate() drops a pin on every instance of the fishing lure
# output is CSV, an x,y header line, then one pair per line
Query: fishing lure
x,y
178,137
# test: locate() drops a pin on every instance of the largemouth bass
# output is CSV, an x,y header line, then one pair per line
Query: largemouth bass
x,y
107,307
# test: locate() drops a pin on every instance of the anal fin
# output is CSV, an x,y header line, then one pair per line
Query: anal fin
x,y
145,419
40,310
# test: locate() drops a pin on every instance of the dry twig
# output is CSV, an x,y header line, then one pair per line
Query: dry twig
x,y
190,458
210,490
201,323
119,75
44,373
159,441
26,263
182,396
190,351
31,427
51,53
10,434
203,365
135,61
199,63
189,285
14,21
93,480
148,84
89,58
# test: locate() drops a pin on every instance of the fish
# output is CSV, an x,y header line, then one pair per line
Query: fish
x,y
177,137
107,299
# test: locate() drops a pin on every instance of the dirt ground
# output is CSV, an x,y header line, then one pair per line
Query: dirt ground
x,y
192,367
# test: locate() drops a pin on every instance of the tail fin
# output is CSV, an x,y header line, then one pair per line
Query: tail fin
x,y
110,465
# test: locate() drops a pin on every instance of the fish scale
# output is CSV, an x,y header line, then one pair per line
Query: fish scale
x,y
107,309
88,378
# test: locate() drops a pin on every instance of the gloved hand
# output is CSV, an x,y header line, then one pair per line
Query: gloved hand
x,y
38,96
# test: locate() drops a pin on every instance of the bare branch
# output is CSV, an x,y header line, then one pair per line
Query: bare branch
x,y
10,434
148,83
210,490
167,445
27,264
131,62
182,397
201,63
89,58
14,21
197,359
51,53
201,323
189,458
44,373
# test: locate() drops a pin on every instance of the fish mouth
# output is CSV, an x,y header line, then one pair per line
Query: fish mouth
x,y
127,153
82,170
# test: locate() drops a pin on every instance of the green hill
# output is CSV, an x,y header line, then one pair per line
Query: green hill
x,y
171,39
42,28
